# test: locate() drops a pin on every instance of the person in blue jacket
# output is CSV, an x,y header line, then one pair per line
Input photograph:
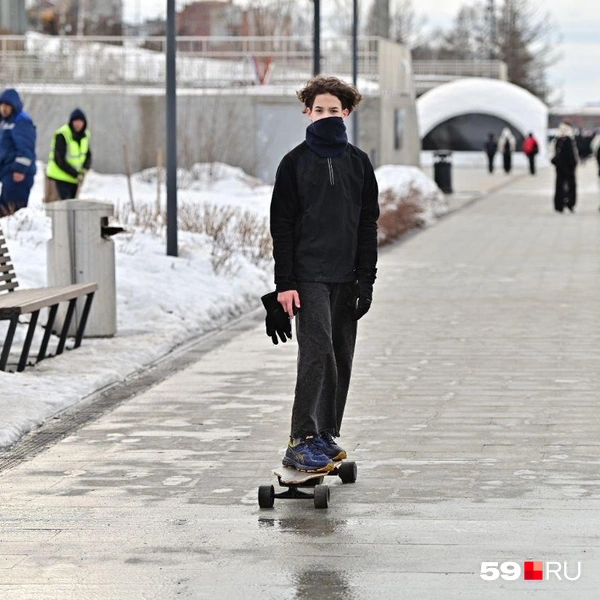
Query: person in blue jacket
x,y
17,153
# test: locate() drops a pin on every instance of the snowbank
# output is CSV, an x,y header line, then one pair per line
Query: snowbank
x,y
410,184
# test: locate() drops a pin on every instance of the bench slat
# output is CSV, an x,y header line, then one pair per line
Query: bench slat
x,y
6,268
7,287
26,301
7,276
5,259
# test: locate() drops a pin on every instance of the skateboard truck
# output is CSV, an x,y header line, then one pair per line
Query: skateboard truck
x,y
297,482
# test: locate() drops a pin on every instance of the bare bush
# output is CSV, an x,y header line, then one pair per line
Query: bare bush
x,y
144,217
398,215
231,231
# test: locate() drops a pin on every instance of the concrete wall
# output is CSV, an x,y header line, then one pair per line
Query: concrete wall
x,y
210,127
13,16
398,106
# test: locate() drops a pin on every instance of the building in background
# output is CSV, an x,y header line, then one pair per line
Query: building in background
x,y
582,118
209,18
216,18
13,17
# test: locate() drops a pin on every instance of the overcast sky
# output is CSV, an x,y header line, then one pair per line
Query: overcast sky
x,y
575,75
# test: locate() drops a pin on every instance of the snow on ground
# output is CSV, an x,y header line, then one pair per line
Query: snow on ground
x,y
162,301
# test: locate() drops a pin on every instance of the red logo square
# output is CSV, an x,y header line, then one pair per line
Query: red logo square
x,y
534,569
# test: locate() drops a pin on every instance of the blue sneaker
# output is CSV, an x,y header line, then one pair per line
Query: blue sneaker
x,y
326,444
307,457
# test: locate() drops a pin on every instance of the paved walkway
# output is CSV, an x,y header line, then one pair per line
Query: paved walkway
x,y
473,417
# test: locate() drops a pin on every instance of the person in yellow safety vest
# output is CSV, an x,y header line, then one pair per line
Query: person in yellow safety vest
x,y
70,155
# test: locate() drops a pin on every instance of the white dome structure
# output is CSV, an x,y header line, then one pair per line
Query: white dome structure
x,y
460,115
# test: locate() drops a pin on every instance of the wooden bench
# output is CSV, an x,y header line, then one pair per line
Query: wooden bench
x,y
14,303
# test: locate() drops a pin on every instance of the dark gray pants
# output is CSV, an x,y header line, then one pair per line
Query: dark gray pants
x,y
326,334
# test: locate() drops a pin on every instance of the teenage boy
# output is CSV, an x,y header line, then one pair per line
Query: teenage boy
x,y
324,215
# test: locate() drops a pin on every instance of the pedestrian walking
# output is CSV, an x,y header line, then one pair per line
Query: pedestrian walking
x,y
583,141
507,145
17,153
531,148
491,147
595,147
70,158
565,159
324,213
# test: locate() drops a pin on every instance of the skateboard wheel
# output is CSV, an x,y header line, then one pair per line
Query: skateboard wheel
x,y
266,496
321,496
348,472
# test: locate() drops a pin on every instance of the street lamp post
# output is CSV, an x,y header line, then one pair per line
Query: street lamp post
x,y
355,67
171,93
317,39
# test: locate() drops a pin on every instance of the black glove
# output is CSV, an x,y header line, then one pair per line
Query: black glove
x,y
277,322
363,296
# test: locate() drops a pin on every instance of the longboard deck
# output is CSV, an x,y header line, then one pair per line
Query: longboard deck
x,y
287,475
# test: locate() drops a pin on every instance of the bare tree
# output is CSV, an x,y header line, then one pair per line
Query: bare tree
x,y
270,17
465,41
407,26
527,43
341,23
526,39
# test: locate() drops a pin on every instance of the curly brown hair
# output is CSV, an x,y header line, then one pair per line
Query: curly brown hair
x,y
347,94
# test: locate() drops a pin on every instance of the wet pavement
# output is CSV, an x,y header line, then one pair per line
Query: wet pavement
x,y
473,417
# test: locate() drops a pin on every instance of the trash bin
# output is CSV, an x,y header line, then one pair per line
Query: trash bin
x,y
81,251
442,170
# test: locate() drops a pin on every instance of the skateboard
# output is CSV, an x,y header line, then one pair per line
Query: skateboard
x,y
295,480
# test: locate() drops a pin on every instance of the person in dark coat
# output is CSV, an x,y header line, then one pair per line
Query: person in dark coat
x,y
324,213
595,148
491,147
583,143
530,149
17,153
507,145
565,161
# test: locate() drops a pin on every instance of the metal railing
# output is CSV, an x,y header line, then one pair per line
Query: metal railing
x,y
494,69
202,61
431,73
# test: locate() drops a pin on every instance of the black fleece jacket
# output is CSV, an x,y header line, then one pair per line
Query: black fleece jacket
x,y
324,215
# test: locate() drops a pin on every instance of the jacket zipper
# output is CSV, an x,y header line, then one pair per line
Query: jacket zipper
x,y
331,178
